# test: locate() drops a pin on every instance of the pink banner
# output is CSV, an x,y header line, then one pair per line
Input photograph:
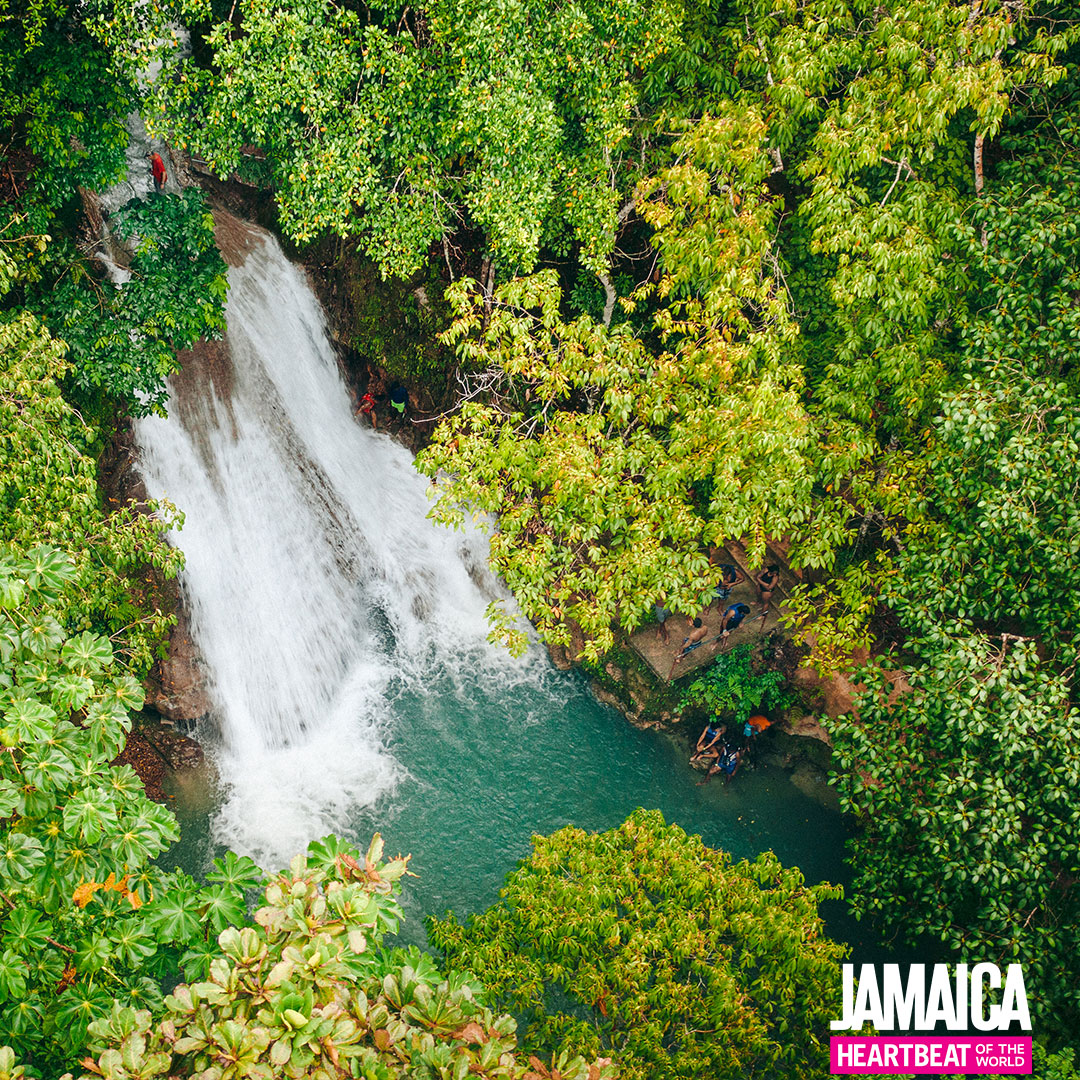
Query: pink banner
x,y
884,1054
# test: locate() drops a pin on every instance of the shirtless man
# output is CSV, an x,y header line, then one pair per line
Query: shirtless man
x,y
692,641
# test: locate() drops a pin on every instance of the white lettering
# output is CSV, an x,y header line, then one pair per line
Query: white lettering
x,y
956,1000
961,997
867,999
1014,1003
940,1006
980,1020
900,1002
846,1022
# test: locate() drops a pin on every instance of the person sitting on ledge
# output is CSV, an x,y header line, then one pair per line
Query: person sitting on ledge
x,y
694,640
727,762
707,744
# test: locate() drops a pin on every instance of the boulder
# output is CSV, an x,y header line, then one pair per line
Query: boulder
x,y
177,686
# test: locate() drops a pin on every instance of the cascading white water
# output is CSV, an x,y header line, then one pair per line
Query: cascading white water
x,y
313,578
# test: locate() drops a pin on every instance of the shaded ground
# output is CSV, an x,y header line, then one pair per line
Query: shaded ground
x,y
660,655
155,751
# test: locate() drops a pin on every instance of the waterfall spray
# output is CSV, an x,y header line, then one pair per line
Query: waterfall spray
x,y
313,579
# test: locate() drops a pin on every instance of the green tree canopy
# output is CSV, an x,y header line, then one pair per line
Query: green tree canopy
x,y
642,943
513,119
122,339
68,78
49,494
965,791
613,459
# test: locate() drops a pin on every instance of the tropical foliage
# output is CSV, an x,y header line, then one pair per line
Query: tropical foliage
x,y
733,687
643,943
966,785
403,128
613,465
306,992
123,339
791,270
87,919
49,494
965,790
68,77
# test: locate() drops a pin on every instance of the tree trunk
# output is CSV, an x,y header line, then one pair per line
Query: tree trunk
x,y
609,298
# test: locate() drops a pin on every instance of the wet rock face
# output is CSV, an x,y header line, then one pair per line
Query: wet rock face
x,y
176,687
154,752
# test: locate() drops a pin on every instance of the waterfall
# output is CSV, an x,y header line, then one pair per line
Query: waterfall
x,y
314,582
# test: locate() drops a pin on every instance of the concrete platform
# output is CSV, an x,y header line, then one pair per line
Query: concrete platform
x,y
659,654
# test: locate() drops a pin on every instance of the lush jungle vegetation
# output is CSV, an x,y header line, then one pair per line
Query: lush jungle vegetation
x,y
713,271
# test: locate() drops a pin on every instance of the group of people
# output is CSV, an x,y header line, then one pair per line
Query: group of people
x,y
723,752
398,400
733,615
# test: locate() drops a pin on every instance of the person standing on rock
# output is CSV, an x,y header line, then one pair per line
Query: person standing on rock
x,y
366,407
399,400
157,167
662,616
730,576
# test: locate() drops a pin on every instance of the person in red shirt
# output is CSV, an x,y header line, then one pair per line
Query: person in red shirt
x,y
157,167
366,407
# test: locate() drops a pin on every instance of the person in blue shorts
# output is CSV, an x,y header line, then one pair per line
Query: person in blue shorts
x,y
694,640
730,576
727,762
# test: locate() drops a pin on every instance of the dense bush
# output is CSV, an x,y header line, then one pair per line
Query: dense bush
x,y
642,943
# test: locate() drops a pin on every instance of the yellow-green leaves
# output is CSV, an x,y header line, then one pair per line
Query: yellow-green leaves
x,y
672,958
300,995
612,461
